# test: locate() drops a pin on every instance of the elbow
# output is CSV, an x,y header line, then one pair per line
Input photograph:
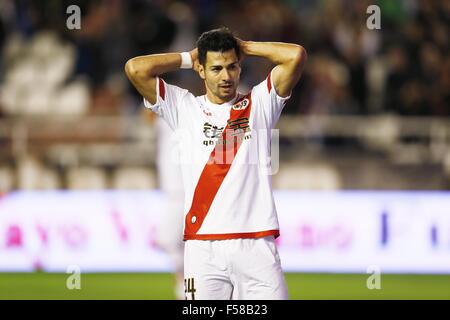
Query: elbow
x,y
130,69
300,56
133,71
303,55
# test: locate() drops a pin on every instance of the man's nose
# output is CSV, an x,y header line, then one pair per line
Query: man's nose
x,y
226,75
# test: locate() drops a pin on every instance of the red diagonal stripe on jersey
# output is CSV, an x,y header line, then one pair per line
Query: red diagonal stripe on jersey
x,y
214,172
269,82
162,89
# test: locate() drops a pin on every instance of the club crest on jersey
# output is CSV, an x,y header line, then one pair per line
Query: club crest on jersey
x,y
241,105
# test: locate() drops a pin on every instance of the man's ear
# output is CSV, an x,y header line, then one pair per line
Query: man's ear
x,y
201,71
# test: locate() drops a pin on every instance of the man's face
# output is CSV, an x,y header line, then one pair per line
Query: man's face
x,y
221,73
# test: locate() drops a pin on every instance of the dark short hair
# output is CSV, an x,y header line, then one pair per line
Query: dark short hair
x,y
219,40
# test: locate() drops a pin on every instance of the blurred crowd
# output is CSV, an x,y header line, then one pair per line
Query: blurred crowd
x,y
402,68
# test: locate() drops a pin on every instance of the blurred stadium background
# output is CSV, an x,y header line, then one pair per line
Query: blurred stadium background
x,y
370,115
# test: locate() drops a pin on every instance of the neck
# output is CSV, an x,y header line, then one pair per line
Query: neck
x,y
217,100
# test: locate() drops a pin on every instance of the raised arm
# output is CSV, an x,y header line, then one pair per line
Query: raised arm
x,y
143,70
289,59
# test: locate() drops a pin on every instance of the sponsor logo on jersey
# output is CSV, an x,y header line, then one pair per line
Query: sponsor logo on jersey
x,y
212,131
239,126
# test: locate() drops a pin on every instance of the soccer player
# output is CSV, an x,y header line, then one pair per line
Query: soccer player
x,y
169,232
230,217
170,229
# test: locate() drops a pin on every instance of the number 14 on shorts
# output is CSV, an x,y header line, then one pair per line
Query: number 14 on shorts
x,y
189,287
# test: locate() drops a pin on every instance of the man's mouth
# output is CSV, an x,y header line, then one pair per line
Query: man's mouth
x,y
226,86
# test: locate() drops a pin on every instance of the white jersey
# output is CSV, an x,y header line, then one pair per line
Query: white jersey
x,y
168,172
225,160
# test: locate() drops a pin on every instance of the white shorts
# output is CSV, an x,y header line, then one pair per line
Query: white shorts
x,y
243,269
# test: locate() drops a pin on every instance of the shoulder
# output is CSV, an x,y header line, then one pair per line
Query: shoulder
x,y
263,88
168,90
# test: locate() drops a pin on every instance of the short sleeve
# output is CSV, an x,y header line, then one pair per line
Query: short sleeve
x,y
270,102
168,101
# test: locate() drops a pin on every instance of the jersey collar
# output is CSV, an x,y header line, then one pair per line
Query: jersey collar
x,y
225,104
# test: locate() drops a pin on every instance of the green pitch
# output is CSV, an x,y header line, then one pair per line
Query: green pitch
x,y
159,286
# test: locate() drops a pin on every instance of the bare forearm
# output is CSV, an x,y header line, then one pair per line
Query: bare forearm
x,y
153,65
276,52
143,70
288,57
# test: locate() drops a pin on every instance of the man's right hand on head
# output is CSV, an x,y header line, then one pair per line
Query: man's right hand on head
x,y
242,48
195,62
